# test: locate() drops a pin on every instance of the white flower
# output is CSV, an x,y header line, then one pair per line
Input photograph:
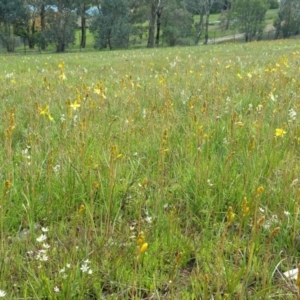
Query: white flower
x,y
209,182
56,169
148,219
41,256
2,294
56,289
46,246
292,114
84,268
68,266
45,229
41,238
62,118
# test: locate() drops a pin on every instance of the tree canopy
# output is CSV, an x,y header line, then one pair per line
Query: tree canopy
x,y
118,23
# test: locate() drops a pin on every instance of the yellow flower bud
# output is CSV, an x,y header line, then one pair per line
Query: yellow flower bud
x,y
141,238
144,248
259,190
81,209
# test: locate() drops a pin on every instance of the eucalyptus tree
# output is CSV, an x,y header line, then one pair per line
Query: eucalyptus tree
x,y
14,16
250,16
85,10
288,20
61,19
111,27
202,8
177,23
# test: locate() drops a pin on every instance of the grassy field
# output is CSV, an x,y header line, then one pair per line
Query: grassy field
x,y
150,174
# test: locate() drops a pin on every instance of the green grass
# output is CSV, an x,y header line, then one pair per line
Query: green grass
x,y
179,144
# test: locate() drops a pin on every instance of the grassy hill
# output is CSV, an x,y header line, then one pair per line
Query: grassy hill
x,y
150,174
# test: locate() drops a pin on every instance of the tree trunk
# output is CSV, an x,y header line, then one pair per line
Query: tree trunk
x,y
31,41
200,29
83,27
61,38
60,47
152,21
43,26
10,39
206,28
158,15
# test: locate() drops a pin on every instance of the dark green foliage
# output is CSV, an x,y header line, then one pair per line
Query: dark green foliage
x,y
273,4
288,21
250,16
61,31
177,25
111,28
13,18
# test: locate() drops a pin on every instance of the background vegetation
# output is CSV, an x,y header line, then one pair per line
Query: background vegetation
x,y
120,24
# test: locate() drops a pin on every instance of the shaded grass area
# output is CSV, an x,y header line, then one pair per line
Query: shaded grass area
x,y
150,174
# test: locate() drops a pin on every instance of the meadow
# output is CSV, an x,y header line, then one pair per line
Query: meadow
x,y
151,174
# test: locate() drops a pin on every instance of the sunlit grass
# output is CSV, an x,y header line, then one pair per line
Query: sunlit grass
x,y
163,173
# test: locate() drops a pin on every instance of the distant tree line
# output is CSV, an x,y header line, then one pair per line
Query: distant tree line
x,y
113,22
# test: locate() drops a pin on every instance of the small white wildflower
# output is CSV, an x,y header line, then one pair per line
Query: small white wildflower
x,y
90,271
46,246
56,169
68,266
41,238
56,289
148,219
209,182
41,256
9,75
259,108
84,268
45,229
62,270
292,114
287,213
62,118
2,294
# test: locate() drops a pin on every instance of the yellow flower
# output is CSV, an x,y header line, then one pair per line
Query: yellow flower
x,y
97,91
259,190
74,105
230,215
141,238
61,65
280,132
81,209
49,117
45,110
62,76
144,248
